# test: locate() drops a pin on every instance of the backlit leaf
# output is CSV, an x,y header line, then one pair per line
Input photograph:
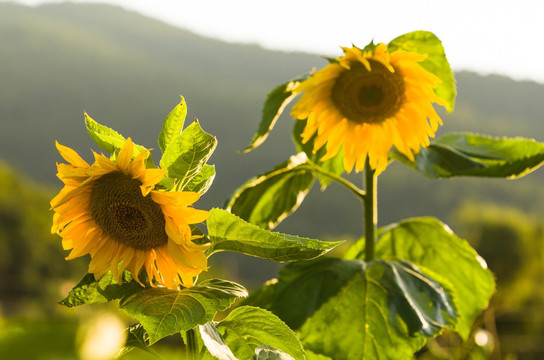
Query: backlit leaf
x,y
172,125
269,198
247,329
108,139
202,181
269,353
431,244
92,291
274,105
227,232
214,343
424,42
349,309
466,154
164,312
188,153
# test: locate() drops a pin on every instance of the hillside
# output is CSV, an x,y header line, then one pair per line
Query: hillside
x,y
127,71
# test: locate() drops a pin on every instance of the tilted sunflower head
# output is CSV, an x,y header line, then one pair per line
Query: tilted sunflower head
x,y
113,211
366,102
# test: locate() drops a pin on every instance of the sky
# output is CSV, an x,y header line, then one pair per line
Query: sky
x,y
486,36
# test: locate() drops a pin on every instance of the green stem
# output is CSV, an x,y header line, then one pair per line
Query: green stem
x,y
370,210
192,347
350,186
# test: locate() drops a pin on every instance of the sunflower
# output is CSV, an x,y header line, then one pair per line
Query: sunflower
x,y
112,211
366,102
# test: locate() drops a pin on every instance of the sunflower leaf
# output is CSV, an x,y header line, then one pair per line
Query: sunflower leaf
x,y
163,312
108,139
137,338
202,181
250,331
269,353
274,105
466,154
214,343
334,165
187,154
431,244
172,125
387,308
92,291
424,42
269,198
227,232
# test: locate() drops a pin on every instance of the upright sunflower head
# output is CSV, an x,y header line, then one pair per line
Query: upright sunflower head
x,y
366,102
113,211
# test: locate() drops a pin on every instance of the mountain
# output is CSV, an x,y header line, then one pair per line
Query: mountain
x,y
127,71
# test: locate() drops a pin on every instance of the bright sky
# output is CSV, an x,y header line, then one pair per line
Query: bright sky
x,y
488,36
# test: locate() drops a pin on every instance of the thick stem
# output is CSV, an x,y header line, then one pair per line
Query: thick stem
x,y
192,347
370,210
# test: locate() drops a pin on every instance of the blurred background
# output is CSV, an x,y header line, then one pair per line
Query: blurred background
x,y
126,67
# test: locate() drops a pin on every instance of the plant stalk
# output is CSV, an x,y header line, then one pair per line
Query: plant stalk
x,y
350,186
370,210
192,347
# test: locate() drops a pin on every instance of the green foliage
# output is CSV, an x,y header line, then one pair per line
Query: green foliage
x,y
92,291
172,125
334,165
269,353
246,330
270,197
164,312
203,180
465,154
431,245
227,232
274,105
187,155
351,309
108,139
424,42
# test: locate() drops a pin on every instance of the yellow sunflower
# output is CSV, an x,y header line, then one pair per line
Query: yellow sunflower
x,y
367,102
112,211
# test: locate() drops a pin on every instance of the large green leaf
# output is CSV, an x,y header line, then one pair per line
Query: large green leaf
x,y
92,291
172,125
424,42
163,312
467,154
188,153
108,139
274,105
432,245
227,232
349,309
269,198
247,329
334,165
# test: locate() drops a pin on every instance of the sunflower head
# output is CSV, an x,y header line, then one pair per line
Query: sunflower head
x,y
114,211
366,102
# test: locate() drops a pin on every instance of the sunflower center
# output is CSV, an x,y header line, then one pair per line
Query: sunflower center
x,y
364,96
119,208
